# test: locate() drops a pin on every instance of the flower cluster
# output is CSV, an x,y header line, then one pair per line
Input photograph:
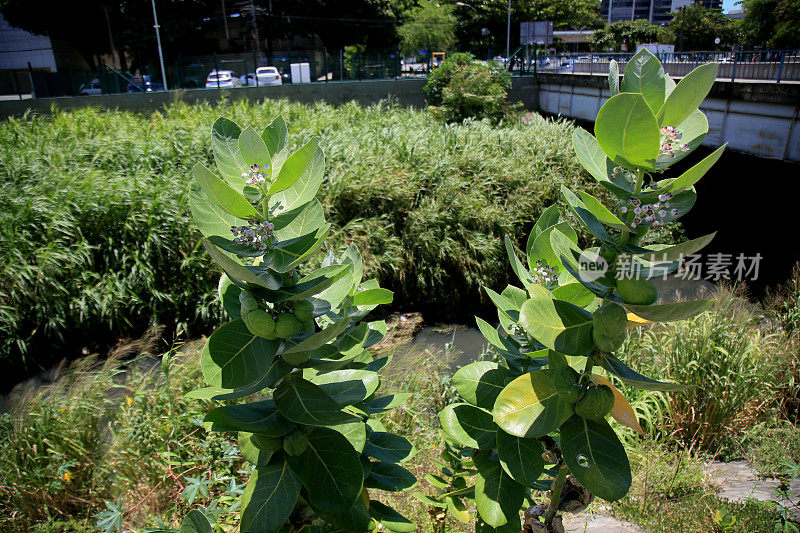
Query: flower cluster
x,y
652,214
257,235
256,175
670,142
543,274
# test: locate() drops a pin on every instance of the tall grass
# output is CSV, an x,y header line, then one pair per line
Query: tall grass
x,y
736,363
96,240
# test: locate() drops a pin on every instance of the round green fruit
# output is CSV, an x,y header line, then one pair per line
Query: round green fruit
x,y
295,443
606,343
289,280
260,323
637,291
248,301
597,402
304,310
286,326
610,322
565,381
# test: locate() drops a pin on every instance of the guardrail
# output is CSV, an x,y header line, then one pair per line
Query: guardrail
x,y
763,65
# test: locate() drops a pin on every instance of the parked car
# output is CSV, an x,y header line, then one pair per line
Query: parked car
x,y
268,76
93,87
139,83
222,78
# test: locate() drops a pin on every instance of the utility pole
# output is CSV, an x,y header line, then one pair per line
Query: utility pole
x,y
225,21
110,37
683,19
255,27
508,33
158,40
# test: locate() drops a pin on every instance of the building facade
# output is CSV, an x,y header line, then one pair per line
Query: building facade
x,y
655,11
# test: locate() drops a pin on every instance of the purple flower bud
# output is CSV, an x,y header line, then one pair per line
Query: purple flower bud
x,y
662,213
623,209
664,197
666,204
656,206
637,210
637,220
674,212
649,219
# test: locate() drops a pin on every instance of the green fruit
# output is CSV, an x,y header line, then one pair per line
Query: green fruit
x,y
268,444
304,310
637,291
261,324
248,301
565,381
286,326
610,322
295,443
289,280
597,402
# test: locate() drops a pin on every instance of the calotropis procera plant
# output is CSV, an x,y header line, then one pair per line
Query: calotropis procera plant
x,y
296,347
538,419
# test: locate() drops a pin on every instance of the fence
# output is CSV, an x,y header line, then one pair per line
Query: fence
x,y
765,65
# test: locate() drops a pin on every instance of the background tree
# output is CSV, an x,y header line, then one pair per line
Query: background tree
x,y
627,34
696,28
431,27
771,23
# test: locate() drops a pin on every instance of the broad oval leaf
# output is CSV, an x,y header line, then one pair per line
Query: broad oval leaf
x,y
559,325
373,297
688,95
303,402
305,187
671,311
261,418
686,180
233,357
628,132
347,386
253,149
530,407
269,498
225,145
330,470
226,196
468,426
479,383
355,432
635,379
521,458
390,519
274,135
389,447
318,339
497,496
389,477
574,293
303,220
596,457
195,522
644,74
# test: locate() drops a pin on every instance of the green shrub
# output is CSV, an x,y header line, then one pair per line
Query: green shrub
x,y
96,240
463,87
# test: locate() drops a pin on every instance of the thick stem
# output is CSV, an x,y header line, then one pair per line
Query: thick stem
x,y
558,486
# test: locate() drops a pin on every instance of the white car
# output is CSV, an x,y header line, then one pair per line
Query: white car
x,y
222,78
262,76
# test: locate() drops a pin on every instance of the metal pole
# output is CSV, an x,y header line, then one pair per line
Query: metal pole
x,y
158,40
225,21
110,37
780,67
216,68
33,86
508,33
255,66
255,26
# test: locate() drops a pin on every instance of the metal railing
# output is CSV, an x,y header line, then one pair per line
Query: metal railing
x,y
762,65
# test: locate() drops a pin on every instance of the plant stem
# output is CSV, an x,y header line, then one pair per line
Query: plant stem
x,y
558,485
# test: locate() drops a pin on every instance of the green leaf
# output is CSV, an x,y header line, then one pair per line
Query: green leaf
x,y
380,405
516,265
354,341
501,344
253,149
303,402
269,498
330,470
277,370
468,426
305,188
373,297
671,311
391,519
574,293
613,77
304,220
542,249
520,458
258,455
479,383
456,508
587,217
225,145
348,386
389,447
355,433
318,339
233,268
356,518
589,153
389,477
644,74
274,136
258,417
225,195
504,305
601,212
211,219
233,357
596,457
286,255
497,496
690,177
628,132
688,95
229,296
196,522
314,283
295,166
530,407
635,379
678,251
428,500
559,325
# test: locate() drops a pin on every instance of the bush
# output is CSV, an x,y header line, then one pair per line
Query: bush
x,y
96,240
463,88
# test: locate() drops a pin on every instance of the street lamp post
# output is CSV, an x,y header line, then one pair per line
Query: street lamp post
x,y
158,40
508,33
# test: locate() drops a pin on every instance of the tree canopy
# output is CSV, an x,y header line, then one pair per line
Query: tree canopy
x,y
430,27
696,28
771,23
